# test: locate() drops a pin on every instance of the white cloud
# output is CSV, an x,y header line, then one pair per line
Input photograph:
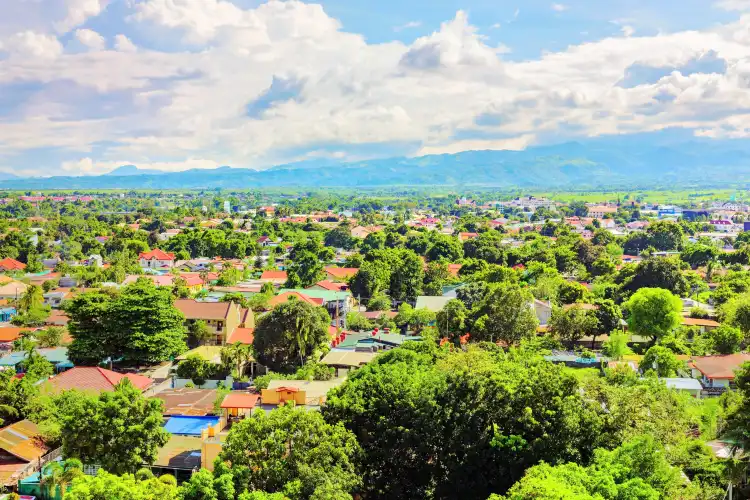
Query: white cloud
x,y
255,86
32,44
740,5
90,39
627,30
558,7
78,11
123,44
409,25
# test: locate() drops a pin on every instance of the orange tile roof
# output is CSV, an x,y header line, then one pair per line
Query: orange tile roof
x,y
8,264
242,335
273,275
454,269
330,285
22,440
11,333
720,367
240,400
156,254
342,272
89,378
700,322
283,297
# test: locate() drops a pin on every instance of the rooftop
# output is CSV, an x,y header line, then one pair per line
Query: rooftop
x,y
193,309
180,452
720,367
240,400
188,401
22,440
94,379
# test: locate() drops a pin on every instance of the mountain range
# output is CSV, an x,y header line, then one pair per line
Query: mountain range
x,y
601,162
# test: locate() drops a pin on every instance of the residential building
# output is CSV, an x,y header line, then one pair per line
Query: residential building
x,y
717,371
434,304
12,290
20,445
156,259
275,277
221,318
340,274
93,380
338,303
9,265
543,311
599,211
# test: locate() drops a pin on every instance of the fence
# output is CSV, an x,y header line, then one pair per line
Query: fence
x,y
36,465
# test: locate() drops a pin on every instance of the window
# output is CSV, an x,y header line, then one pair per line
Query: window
x,y
219,325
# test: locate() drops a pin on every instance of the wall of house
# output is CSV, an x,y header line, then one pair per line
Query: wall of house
x,y
274,397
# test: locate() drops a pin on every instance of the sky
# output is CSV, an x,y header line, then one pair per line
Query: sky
x,y
89,85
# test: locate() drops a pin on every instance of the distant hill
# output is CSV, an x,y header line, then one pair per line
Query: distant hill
x,y
602,162
128,170
5,177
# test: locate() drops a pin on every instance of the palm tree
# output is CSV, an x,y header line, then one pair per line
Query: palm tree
x,y
235,355
59,475
31,299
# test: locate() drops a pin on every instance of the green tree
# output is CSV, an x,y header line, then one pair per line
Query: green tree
x,y
57,476
736,312
570,292
357,322
445,247
372,279
451,319
288,335
204,485
653,312
305,270
661,360
726,339
196,368
106,486
380,302
616,346
50,337
139,324
199,333
407,277
654,272
292,451
608,315
235,357
119,430
506,313
572,324
665,235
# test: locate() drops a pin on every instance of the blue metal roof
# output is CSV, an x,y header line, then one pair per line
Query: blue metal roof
x,y
189,426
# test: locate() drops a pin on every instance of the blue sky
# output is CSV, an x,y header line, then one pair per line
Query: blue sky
x,y
88,85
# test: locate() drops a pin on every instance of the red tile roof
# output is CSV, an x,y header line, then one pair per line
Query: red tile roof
x,y
156,254
240,400
454,269
242,335
89,378
8,264
283,297
700,322
330,285
720,367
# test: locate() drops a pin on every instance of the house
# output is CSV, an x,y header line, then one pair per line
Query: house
x,y
543,311
6,314
301,392
434,304
12,289
20,445
362,232
467,236
237,405
704,324
275,277
285,296
340,274
57,356
330,286
156,259
93,379
338,303
241,335
689,385
347,360
54,299
265,241
187,401
717,371
10,333
57,318
221,318
9,265
169,233
599,211
192,282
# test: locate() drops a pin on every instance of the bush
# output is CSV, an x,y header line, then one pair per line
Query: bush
x,y
698,312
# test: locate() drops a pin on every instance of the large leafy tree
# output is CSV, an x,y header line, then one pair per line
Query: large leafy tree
x,y
119,430
653,273
305,270
654,312
106,486
292,451
572,324
451,319
139,324
286,337
506,313
736,312
407,276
